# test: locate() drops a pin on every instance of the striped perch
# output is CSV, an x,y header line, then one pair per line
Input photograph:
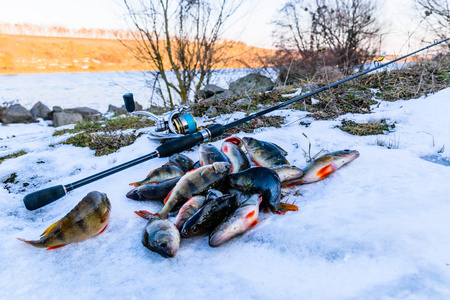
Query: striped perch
x,y
89,218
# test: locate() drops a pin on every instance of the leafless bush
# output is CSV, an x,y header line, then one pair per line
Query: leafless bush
x,y
437,14
338,33
179,36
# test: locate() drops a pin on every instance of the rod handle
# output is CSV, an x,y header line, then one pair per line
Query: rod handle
x,y
179,144
43,197
188,141
129,102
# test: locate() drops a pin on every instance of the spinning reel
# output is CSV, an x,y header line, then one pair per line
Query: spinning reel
x,y
170,125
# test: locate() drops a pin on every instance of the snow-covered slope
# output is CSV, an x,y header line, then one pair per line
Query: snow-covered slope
x,y
376,229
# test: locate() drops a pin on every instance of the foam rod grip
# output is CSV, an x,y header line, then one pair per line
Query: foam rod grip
x,y
43,197
179,144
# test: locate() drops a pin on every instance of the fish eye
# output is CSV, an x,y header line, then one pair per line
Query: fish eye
x,y
194,230
163,245
347,150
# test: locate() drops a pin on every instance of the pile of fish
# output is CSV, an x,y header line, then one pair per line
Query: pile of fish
x,y
222,194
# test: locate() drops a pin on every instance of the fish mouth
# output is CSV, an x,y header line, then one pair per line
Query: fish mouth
x,y
218,239
352,154
133,194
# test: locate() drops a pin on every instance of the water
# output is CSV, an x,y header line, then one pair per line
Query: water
x,y
94,90
437,159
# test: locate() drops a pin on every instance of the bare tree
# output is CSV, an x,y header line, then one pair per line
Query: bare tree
x,y
331,32
437,14
180,36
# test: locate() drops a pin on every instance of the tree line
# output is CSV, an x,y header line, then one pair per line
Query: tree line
x,y
61,31
183,37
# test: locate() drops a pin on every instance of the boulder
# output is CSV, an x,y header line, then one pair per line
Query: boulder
x,y
242,102
211,112
65,118
310,87
209,90
88,114
117,110
40,110
252,83
331,74
224,95
57,109
16,114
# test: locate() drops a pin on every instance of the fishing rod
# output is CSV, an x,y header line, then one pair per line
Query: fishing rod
x,y
46,196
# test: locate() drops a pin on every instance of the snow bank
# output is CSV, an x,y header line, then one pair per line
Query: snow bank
x,y
375,229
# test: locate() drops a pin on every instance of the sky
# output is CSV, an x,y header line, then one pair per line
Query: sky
x,y
253,27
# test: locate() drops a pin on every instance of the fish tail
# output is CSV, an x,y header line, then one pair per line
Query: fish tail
x,y
288,207
143,214
38,243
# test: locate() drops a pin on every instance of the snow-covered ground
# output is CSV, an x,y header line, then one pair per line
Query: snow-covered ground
x,y
376,229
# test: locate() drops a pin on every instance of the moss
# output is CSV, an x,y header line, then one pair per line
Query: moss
x,y
370,128
251,126
105,137
113,124
14,155
103,143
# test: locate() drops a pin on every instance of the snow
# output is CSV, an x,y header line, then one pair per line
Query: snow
x,y
375,229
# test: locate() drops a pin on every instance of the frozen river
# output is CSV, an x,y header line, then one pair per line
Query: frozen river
x,y
94,90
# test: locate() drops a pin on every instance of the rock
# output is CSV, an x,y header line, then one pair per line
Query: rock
x,y
310,87
331,74
226,94
40,110
252,83
2,112
65,118
16,114
209,90
242,102
211,112
57,109
137,107
117,110
88,114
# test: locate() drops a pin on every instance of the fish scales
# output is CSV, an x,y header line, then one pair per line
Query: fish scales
x,y
264,154
88,218
195,182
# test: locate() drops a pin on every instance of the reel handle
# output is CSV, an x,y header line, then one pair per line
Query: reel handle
x,y
129,102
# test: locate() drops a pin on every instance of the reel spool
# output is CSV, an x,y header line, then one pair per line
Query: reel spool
x,y
170,125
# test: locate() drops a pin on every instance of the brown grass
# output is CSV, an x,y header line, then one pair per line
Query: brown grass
x,y
39,54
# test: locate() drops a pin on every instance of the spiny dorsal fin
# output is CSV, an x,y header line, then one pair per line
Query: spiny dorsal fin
x,y
49,228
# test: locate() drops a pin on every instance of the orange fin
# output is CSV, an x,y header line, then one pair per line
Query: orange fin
x,y
135,184
101,231
253,224
325,171
49,228
288,207
168,196
293,182
56,247
234,140
105,216
250,214
144,214
256,162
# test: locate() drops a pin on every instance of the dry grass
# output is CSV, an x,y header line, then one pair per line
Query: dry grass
x,y
39,54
